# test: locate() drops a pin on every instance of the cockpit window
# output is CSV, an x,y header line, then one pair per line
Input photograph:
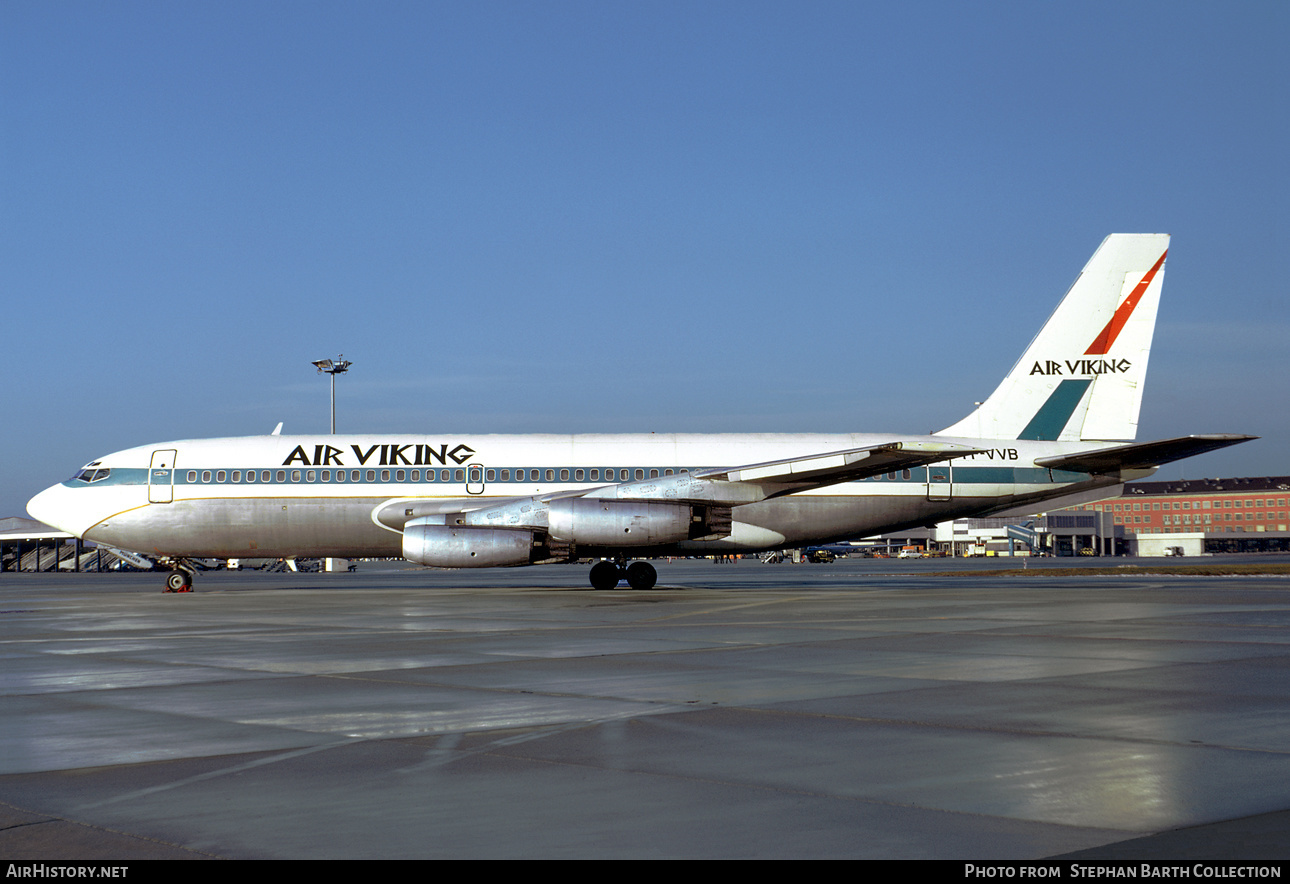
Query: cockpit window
x,y
91,474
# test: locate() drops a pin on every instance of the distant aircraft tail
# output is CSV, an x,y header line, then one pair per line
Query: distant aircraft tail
x,y
1081,377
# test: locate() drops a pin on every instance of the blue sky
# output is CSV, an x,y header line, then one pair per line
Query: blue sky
x,y
611,216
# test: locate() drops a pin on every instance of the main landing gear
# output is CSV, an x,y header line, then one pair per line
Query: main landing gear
x,y
639,575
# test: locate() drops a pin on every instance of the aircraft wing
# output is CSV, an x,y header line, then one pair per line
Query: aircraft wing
x,y
816,471
733,486
1142,455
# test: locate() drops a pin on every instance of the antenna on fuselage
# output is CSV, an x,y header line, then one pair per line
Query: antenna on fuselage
x,y
277,431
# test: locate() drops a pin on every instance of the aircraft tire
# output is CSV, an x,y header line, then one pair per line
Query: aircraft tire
x,y
605,575
641,575
179,580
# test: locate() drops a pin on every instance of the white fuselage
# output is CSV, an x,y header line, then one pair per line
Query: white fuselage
x,y
350,496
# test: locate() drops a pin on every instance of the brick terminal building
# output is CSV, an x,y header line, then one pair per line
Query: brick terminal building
x,y
1210,515
1219,506
1226,511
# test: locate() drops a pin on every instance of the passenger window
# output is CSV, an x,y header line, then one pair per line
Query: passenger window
x,y
640,474
400,475
461,476
326,475
595,475
653,474
281,476
506,475
490,475
250,475
264,476
564,475
311,475
445,476
295,475
340,475
192,475
578,475
354,475
221,476
206,475
371,476
416,475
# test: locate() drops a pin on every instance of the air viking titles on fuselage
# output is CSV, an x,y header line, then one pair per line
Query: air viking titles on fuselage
x,y
413,454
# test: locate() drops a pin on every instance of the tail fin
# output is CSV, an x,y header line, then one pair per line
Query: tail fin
x,y
1081,377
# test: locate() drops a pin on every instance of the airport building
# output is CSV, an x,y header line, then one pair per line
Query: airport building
x,y
1212,506
28,545
1184,517
1064,533
1228,515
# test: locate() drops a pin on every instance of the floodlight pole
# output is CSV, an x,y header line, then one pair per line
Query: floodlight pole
x,y
333,368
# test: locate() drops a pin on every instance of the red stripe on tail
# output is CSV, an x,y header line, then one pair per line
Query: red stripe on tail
x,y
1102,343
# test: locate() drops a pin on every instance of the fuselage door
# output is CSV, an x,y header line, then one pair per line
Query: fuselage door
x,y
161,476
940,481
475,479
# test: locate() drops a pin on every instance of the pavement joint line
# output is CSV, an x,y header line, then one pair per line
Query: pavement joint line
x,y
214,774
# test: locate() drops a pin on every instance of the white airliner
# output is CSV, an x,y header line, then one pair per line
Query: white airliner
x,y
1058,430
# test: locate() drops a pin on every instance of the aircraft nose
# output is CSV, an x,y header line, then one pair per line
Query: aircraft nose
x,y
51,507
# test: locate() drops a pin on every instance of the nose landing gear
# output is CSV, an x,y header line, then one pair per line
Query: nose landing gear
x,y
179,580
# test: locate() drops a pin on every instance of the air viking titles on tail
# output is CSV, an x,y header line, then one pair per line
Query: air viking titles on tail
x,y
1081,378
1058,430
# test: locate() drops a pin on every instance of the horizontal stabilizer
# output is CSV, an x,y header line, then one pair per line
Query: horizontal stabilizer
x,y
1143,455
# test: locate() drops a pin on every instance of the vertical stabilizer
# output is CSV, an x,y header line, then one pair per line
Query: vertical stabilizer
x,y
1081,377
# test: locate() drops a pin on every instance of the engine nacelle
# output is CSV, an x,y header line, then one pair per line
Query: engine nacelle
x,y
454,546
618,523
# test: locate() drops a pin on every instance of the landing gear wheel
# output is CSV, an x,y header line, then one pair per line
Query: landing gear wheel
x,y
605,575
179,580
641,575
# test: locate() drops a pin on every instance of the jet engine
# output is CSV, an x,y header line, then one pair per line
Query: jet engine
x,y
620,523
470,546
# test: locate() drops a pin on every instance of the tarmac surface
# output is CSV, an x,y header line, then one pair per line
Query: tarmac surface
x,y
856,709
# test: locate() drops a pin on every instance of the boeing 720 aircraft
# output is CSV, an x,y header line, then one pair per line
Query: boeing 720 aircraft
x,y
1058,430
